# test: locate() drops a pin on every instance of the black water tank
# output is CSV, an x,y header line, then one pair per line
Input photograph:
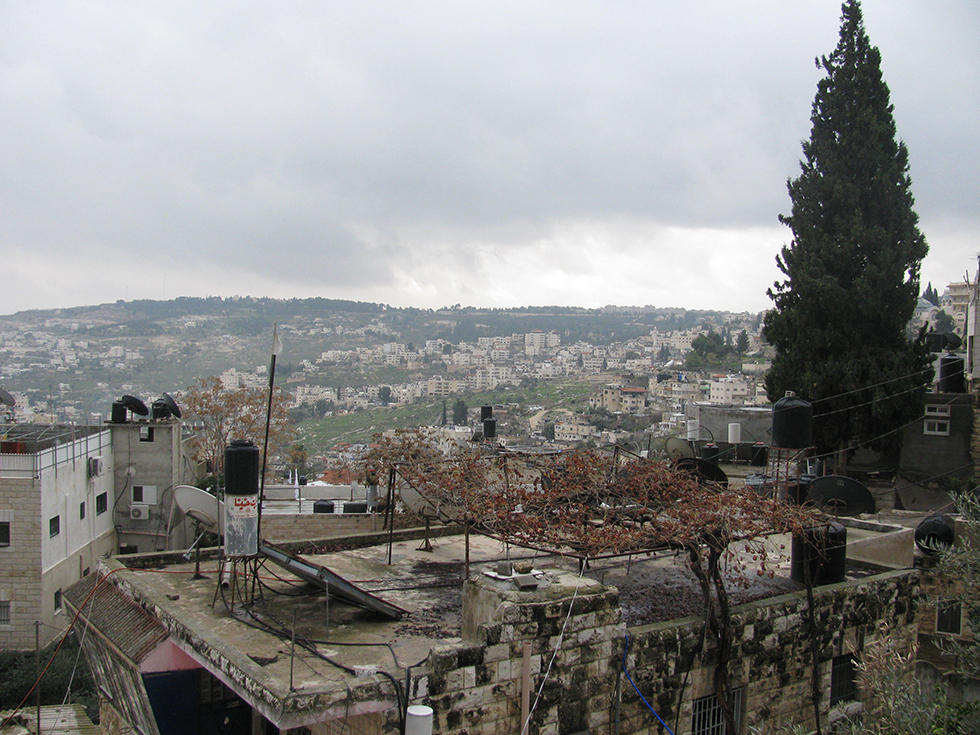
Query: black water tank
x,y
323,506
489,428
119,413
951,378
241,468
934,534
760,454
356,507
159,410
710,452
486,412
824,549
792,423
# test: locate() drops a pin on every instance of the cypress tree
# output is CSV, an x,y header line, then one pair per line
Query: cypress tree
x,y
841,316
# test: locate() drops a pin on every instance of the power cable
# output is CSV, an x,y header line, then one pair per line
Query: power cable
x,y
870,387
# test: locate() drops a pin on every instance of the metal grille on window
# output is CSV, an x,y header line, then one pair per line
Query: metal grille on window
x,y
709,718
4,612
843,679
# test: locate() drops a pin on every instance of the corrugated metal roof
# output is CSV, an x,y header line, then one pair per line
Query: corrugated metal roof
x,y
117,617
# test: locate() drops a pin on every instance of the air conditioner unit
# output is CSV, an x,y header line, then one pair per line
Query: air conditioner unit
x,y
95,467
139,512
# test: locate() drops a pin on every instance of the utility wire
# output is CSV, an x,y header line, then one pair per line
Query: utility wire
x,y
876,385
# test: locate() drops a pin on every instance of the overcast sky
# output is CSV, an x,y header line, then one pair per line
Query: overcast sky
x,y
421,153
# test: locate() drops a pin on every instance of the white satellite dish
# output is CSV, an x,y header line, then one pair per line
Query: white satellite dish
x,y
199,505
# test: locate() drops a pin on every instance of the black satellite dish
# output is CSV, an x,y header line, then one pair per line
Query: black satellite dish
x,y
6,399
705,471
171,404
843,496
678,448
135,405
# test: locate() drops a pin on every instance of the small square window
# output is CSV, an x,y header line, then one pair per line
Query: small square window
x,y
137,493
935,427
57,600
708,717
843,679
949,617
81,511
146,433
54,526
101,503
5,612
4,533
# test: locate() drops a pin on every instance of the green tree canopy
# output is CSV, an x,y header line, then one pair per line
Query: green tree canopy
x,y
852,268
459,412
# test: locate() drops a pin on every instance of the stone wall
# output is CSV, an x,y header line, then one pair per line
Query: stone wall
x,y
20,563
576,658
284,528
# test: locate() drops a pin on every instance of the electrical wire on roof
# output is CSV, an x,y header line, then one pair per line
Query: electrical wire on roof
x,y
554,655
858,445
870,387
867,403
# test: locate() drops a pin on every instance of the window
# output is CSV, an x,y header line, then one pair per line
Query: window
x,y
4,533
5,613
146,433
843,679
936,422
81,511
145,494
54,526
57,600
709,718
101,503
949,617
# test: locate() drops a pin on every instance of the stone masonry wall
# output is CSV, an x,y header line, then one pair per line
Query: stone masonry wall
x,y
20,563
475,687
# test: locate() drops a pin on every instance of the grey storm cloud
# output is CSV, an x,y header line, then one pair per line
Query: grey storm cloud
x,y
398,151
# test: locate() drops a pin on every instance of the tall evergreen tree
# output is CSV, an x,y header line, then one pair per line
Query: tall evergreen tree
x,y
852,269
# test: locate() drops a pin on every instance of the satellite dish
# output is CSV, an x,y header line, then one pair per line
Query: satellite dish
x,y
135,405
843,496
678,448
199,505
703,470
171,404
5,398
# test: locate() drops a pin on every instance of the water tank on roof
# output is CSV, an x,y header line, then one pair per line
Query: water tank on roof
x,y
951,378
934,534
489,428
486,412
792,422
119,413
323,506
241,499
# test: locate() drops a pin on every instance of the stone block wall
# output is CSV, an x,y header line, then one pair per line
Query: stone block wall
x,y
20,563
577,642
572,628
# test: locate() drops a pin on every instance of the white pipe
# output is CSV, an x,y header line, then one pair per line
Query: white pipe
x,y
418,720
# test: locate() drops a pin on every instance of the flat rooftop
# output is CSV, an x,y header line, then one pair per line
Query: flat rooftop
x,y
276,634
